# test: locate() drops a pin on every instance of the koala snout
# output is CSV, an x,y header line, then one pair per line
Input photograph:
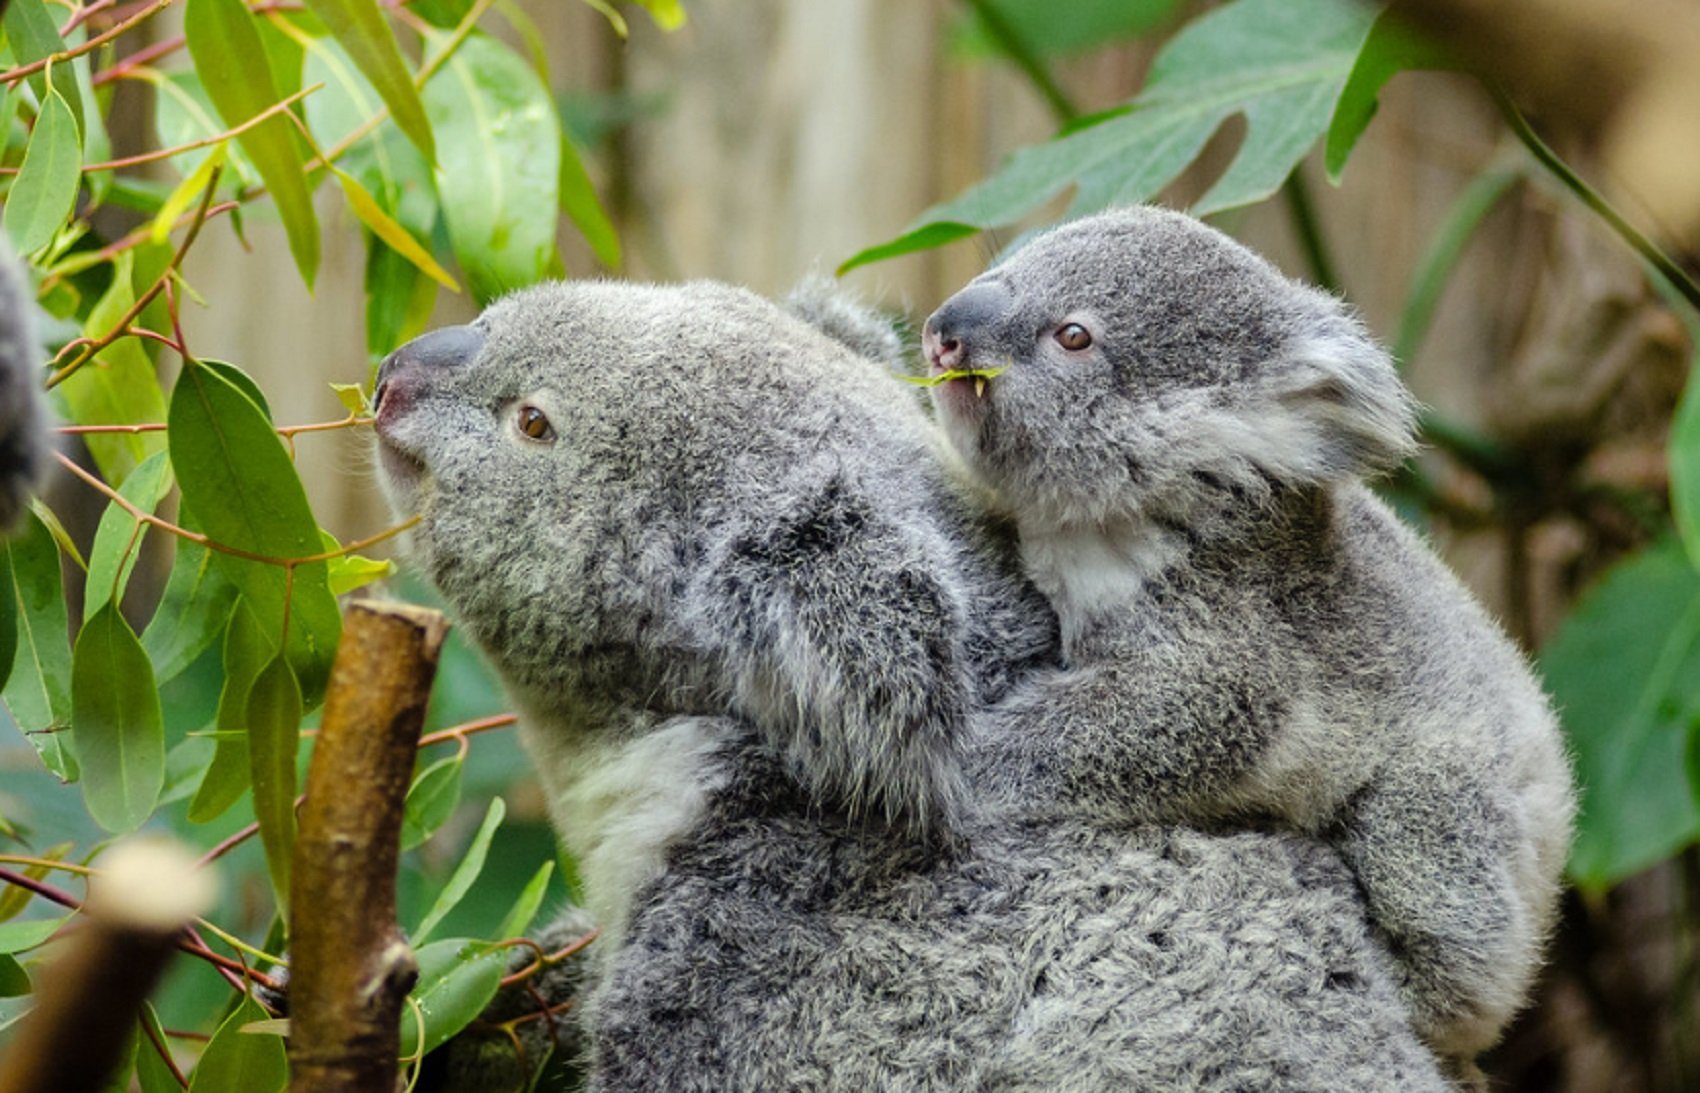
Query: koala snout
x,y
951,333
449,347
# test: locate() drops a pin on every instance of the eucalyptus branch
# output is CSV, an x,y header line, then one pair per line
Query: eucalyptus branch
x,y
12,76
153,290
1637,240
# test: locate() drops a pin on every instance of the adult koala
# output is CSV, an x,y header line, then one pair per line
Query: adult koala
x,y
24,444
749,615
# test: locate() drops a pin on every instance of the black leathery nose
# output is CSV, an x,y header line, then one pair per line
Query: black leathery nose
x,y
970,310
450,347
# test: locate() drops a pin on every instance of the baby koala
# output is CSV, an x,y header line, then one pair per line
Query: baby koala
x,y
1180,434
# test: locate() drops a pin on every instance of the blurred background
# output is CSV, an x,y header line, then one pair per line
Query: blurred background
x,y
767,139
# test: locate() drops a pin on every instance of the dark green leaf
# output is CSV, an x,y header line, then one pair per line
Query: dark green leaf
x,y
1391,48
14,981
466,872
151,1072
44,194
498,164
38,692
234,69
1280,63
33,33
457,979
237,1060
399,299
274,732
120,386
239,481
192,611
118,539
1048,28
1624,670
116,719
926,237
246,650
431,800
361,29
8,631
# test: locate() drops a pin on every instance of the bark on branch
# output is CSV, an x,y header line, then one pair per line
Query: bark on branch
x,y
350,967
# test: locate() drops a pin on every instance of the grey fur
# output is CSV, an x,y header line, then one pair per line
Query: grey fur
x,y
753,623
24,443
1249,632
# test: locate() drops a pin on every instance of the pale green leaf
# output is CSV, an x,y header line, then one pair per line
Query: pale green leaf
x,y
393,234
360,27
44,194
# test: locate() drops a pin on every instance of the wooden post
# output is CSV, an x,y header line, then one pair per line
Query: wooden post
x,y
350,967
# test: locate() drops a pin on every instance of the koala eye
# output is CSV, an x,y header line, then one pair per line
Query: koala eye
x,y
1073,336
534,424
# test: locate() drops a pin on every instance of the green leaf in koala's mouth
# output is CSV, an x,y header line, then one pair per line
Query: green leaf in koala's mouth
x,y
981,375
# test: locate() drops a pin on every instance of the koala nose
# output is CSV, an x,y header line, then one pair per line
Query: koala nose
x,y
950,333
446,348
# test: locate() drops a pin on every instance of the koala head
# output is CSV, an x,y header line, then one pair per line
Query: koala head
x,y
1156,369
684,500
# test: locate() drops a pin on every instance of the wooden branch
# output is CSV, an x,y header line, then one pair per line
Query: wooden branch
x,y
350,967
88,1000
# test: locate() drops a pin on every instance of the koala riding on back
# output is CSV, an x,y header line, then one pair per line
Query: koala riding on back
x,y
1181,435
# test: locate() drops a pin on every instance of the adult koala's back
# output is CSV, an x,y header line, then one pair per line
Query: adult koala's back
x,y
749,617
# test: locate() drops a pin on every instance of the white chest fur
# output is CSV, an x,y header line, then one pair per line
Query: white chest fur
x,y
1089,570
618,805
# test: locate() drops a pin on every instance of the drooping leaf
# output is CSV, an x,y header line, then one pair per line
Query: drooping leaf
x,y
1393,46
457,979
17,937
246,651
118,539
1280,63
399,299
151,1072
120,386
584,208
431,800
115,717
237,1060
193,610
351,572
45,191
38,692
186,193
14,899
238,479
33,33
274,731
393,234
1624,670
237,76
466,872
361,29
498,164
8,632
1049,28
1684,453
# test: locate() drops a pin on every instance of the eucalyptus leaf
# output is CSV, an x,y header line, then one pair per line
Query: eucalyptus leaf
x,y
360,27
193,610
431,800
274,733
236,1060
466,872
44,194
246,651
457,979
118,539
116,719
525,908
1684,454
38,691
1624,671
32,32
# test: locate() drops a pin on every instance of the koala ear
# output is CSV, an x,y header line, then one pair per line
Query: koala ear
x,y
843,649
825,305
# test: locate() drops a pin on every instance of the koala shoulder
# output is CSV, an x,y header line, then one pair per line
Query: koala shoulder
x,y
824,304
24,444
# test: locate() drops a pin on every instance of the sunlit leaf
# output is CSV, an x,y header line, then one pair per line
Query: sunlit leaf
x,y
45,191
524,910
274,731
393,234
466,872
360,27
1624,670
232,65
239,481
498,164
351,572
32,32
186,193
38,692
457,979
115,717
